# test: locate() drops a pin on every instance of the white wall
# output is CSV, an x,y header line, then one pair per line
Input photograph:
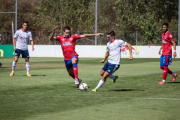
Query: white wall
x,y
95,51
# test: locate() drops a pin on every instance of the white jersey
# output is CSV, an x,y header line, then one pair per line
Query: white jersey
x,y
114,50
22,38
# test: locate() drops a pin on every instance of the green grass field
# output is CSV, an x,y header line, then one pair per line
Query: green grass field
x,y
50,94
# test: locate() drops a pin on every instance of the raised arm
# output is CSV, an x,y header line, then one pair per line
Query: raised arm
x,y
130,50
106,56
52,38
90,35
174,46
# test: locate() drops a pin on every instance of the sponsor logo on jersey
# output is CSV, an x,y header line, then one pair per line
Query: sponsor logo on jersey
x,y
70,39
66,43
163,41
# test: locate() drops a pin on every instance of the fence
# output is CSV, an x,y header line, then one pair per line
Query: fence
x,y
134,38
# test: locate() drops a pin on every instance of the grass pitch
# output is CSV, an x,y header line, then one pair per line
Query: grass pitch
x,y
50,94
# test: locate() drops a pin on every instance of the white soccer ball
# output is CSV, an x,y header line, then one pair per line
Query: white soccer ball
x,y
83,87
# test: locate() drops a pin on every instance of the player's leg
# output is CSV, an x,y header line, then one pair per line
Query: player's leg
x,y
163,66
110,69
74,62
111,76
71,73
25,55
16,56
75,67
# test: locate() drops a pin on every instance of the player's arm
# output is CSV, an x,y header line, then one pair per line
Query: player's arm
x,y
130,50
32,44
160,49
174,46
14,42
106,56
90,35
52,38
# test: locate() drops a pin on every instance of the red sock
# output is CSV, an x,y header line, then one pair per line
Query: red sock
x,y
75,70
165,73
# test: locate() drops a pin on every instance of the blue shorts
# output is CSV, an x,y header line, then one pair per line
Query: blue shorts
x,y
165,60
25,53
110,68
69,64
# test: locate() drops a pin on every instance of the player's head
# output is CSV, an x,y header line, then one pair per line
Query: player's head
x,y
67,31
111,35
25,25
165,27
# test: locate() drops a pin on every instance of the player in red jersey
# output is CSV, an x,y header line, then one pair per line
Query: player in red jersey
x,y
68,43
166,57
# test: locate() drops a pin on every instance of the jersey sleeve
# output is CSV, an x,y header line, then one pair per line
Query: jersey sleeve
x,y
16,34
171,37
77,36
122,43
30,36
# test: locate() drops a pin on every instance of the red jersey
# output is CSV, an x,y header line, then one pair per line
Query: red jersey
x,y
166,43
68,45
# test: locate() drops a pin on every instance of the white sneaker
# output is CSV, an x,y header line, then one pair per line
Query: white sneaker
x,y
77,82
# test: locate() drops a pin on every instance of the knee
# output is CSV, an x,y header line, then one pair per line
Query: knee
x,y
101,74
15,60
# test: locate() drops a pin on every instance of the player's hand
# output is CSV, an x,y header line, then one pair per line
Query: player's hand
x,y
159,52
174,54
14,48
131,57
33,48
99,34
102,61
54,29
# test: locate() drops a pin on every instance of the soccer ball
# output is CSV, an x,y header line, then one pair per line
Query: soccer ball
x,y
83,87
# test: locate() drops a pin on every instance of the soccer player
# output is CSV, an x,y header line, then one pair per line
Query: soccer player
x,y
0,39
20,43
114,53
0,44
166,57
68,43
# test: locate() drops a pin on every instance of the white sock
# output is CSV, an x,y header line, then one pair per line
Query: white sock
x,y
111,76
27,67
164,80
100,84
13,66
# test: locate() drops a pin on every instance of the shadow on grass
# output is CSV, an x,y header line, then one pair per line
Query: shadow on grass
x,y
36,75
173,82
124,90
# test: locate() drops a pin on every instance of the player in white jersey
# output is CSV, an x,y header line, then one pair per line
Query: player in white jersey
x,y
114,53
20,43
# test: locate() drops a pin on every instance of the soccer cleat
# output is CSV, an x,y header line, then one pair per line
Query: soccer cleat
x,y
94,90
174,77
29,75
77,82
161,82
114,80
11,74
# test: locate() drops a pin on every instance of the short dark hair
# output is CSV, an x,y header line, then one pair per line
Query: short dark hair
x,y
25,22
166,24
66,28
112,33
